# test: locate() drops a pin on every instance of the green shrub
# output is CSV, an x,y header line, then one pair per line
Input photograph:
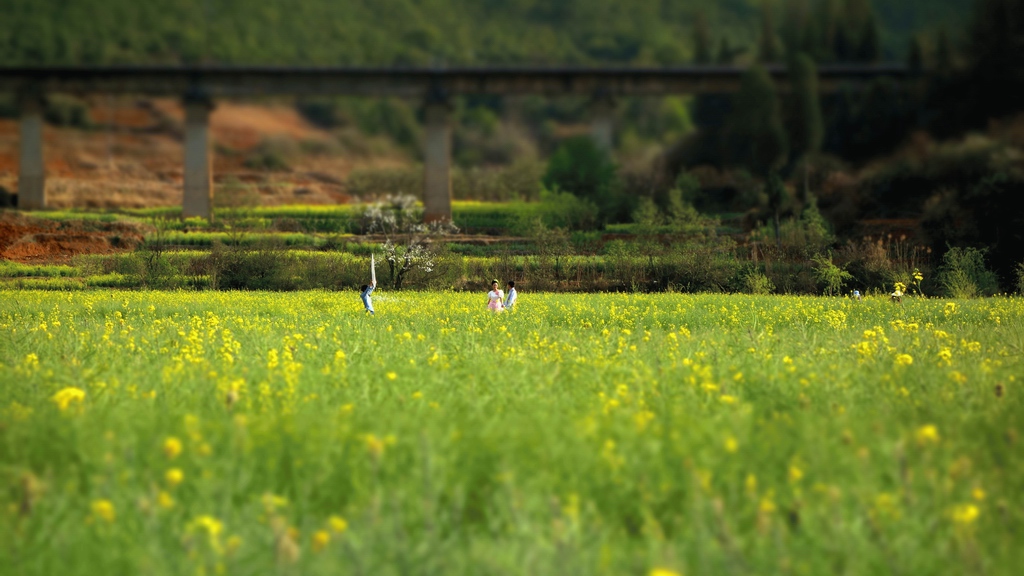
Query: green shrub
x,y
58,284
559,210
16,270
817,233
647,214
583,169
266,268
828,275
63,110
369,183
963,274
232,193
322,112
519,182
112,280
757,283
153,269
272,155
329,271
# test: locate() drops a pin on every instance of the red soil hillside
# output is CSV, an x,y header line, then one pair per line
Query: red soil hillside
x,y
133,157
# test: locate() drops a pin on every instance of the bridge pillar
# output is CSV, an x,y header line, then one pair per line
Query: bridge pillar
x,y
198,186
437,160
31,169
602,123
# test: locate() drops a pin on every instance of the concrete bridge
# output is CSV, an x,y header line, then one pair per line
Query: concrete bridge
x,y
200,87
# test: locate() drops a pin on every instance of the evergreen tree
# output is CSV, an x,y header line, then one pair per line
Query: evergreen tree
x,y
997,55
943,54
806,124
810,42
768,47
997,40
870,47
857,12
755,138
701,40
726,53
826,26
795,26
841,46
915,55
775,191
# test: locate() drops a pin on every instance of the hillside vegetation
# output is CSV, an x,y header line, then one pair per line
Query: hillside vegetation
x,y
413,32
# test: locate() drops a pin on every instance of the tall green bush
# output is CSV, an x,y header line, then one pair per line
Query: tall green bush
x,y
963,274
579,166
828,275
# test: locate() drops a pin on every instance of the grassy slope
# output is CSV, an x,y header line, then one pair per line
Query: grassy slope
x,y
400,31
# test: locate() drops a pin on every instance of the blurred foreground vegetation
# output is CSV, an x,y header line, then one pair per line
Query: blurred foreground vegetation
x,y
183,433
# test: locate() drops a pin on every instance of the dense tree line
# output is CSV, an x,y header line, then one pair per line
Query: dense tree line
x,y
426,32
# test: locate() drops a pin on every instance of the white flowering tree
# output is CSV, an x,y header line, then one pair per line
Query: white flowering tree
x,y
408,241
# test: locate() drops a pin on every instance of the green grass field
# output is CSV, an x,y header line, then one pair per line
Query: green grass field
x,y
256,433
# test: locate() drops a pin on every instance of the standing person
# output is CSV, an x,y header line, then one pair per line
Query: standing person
x,y
495,298
365,290
510,300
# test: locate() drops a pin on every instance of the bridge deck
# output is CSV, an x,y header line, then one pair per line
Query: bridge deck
x,y
236,81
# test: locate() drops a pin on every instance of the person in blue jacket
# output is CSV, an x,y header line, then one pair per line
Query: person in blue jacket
x,y
366,289
364,294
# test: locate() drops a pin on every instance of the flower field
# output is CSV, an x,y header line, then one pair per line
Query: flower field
x,y
262,433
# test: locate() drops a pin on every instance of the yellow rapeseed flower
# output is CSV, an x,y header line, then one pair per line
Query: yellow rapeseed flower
x,y
751,485
211,526
904,359
978,494
374,445
965,514
174,476
664,572
233,543
392,376
272,502
68,395
172,447
338,524
795,473
886,506
104,510
927,434
165,500
320,540
731,446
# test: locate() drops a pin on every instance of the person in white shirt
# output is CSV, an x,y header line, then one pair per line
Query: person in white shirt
x,y
510,300
495,298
